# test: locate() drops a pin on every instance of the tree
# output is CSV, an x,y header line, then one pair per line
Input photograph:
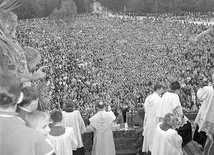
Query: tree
x,y
67,11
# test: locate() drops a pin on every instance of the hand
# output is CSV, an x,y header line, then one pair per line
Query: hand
x,y
109,108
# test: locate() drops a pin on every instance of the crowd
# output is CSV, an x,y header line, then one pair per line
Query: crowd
x,y
118,60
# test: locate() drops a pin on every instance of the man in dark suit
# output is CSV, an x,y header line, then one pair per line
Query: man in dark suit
x,y
29,103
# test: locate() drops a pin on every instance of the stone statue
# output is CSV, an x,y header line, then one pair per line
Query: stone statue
x,y
13,57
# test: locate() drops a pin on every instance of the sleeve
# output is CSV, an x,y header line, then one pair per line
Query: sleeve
x,y
112,115
176,102
176,107
43,147
201,94
176,140
82,123
74,140
90,128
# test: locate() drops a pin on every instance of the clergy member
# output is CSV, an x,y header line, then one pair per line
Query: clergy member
x,y
171,104
205,116
72,118
168,142
150,120
101,125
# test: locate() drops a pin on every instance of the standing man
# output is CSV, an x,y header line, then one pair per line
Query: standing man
x,y
205,116
29,103
101,125
72,118
171,104
150,119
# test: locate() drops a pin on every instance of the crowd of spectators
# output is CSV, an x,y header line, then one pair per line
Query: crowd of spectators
x,y
118,60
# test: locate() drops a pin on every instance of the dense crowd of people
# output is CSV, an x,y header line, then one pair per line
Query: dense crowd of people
x,y
100,61
117,59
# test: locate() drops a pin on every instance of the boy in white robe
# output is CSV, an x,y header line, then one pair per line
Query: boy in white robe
x,y
167,140
101,125
63,139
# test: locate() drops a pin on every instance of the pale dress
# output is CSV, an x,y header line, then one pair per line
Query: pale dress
x,y
74,120
65,143
166,142
101,125
150,120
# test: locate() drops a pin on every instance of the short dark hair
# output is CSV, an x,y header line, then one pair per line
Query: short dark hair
x,y
175,85
10,89
157,86
56,116
167,117
70,104
30,94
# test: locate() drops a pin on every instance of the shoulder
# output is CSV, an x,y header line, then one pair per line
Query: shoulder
x,y
172,132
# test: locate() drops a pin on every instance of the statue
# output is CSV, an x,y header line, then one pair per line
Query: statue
x,y
13,57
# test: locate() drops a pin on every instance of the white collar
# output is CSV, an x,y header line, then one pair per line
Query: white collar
x,y
24,109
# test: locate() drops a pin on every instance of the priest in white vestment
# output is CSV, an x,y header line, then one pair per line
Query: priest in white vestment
x,y
167,140
171,104
72,118
150,119
101,124
205,116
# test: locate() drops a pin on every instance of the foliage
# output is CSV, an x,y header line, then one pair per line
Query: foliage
x,y
43,8
66,11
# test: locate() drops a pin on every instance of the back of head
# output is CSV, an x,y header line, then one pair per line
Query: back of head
x,y
70,104
35,118
175,85
30,94
157,87
56,116
167,117
170,119
10,89
100,105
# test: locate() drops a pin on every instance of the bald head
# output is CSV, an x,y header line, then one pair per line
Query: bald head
x,y
100,105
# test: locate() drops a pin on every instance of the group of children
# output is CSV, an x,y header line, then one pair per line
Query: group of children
x,y
63,141
25,130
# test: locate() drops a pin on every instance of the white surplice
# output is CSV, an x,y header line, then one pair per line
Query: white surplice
x,y
166,142
205,116
65,143
150,120
101,125
74,120
170,103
